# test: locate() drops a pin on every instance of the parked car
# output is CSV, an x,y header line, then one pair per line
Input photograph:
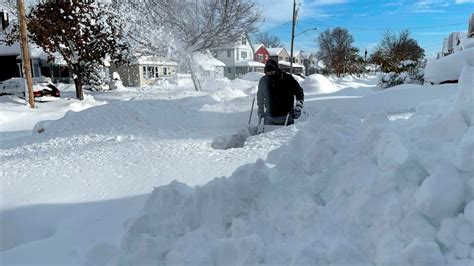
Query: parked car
x,y
42,86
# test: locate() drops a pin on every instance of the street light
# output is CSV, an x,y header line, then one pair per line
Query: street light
x,y
316,28
293,35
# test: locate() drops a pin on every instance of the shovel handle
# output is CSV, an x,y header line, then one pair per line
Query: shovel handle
x,y
251,110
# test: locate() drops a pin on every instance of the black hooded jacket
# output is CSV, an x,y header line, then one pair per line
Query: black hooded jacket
x,y
277,92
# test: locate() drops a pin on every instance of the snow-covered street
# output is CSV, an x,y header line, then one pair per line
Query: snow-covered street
x,y
344,181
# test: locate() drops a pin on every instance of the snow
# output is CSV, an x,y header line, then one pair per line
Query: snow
x,y
129,177
449,67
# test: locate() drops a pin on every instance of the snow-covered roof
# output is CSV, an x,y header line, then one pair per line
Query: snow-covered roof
x,y
9,50
250,64
207,61
260,45
35,51
275,51
284,63
153,60
300,54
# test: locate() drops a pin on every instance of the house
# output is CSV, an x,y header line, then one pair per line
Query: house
x,y
208,65
238,58
311,64
42,64
261,54
279,54
297,68
299,57
146,70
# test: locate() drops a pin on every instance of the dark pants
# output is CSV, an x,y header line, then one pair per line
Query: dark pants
x,y
278,120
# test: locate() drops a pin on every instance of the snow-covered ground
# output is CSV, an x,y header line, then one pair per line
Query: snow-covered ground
x,y
365,177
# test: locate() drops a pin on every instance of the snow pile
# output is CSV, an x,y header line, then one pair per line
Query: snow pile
x,y
227,93
344,191
449,68
253,76
317,83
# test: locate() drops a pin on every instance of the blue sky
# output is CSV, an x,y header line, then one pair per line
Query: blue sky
x,y
429,21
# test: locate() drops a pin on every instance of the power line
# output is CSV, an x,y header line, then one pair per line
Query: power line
x,y
384,29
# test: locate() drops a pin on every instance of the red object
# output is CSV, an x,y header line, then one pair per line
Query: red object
x,y
261,54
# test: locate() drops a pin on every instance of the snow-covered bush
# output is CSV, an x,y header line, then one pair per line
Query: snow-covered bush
x,y
96,78
408,72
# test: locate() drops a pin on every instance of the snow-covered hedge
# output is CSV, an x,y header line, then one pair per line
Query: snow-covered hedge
x,y
448,68
342,192
411,72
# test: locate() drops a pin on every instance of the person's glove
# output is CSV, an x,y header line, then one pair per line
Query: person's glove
x,y
296,112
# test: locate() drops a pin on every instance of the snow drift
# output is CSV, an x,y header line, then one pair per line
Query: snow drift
x,y
343,191
449,68
317,83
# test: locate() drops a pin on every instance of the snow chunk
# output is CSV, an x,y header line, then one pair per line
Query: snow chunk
x,y
391,153
424,253
445,180
465,152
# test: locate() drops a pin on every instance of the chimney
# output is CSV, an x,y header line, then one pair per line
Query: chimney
x,y
5,21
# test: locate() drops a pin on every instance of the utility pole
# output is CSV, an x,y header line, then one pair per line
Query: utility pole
x,y
292,36
25,52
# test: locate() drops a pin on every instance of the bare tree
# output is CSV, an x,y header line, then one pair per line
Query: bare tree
x,y
270,41
187,26
336,50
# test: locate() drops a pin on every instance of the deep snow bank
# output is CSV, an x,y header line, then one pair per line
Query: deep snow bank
x,y
449,67
317,83
344,191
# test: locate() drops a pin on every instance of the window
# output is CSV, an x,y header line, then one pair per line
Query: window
x,y
260,56
244,41
150,72
165,71
229,70
243,54
229,53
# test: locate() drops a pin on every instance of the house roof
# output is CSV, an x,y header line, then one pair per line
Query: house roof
x,y
300,53
9,50
152,60
284,63
275,51
207,61
260,45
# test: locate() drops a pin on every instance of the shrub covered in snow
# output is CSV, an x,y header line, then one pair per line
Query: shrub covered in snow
x,y
409,72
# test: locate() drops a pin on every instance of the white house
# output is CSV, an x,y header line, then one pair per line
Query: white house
x,y
279,54
238,58
208,65
146,70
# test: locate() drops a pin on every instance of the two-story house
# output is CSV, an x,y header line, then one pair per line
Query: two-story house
x,y
279,54
261,54
238,58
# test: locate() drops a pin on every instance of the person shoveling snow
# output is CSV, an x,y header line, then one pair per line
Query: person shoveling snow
x,y
276,95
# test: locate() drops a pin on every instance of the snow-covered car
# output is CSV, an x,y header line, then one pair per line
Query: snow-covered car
x,y
42,86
